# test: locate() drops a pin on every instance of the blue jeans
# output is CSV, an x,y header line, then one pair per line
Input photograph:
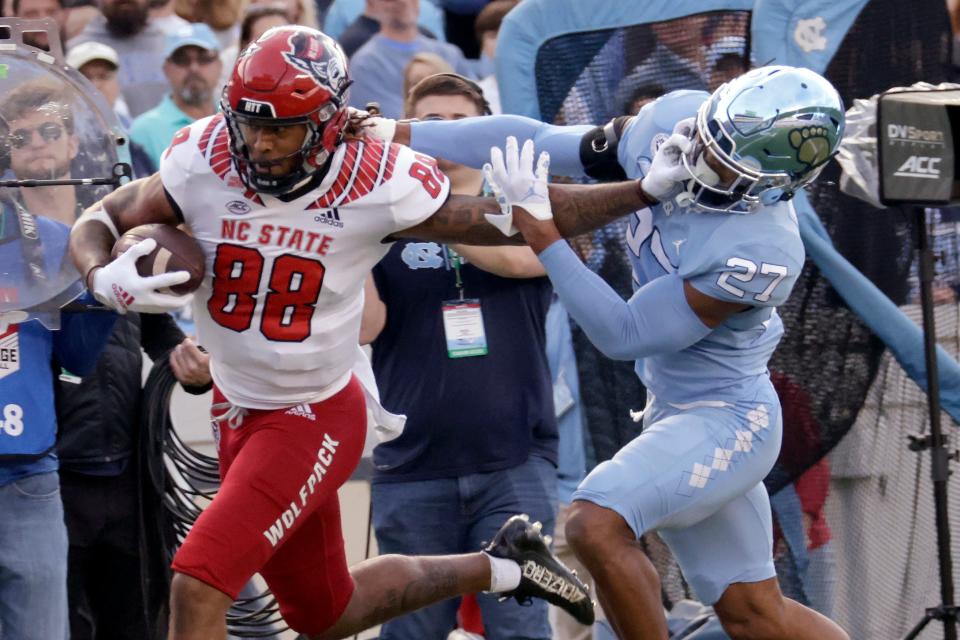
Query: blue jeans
x,y
459,515
33,560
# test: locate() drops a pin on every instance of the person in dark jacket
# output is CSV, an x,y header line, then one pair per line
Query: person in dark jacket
x,y
99,417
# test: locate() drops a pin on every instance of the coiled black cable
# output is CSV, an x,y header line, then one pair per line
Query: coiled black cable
x,y
176,481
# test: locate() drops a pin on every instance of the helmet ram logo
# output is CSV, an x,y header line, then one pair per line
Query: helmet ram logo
x,y
306,53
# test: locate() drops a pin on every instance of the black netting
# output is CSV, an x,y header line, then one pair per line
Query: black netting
x,y
879,507
884,48
588,78
865,511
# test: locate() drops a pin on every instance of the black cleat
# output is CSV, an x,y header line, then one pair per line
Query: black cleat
x,y
542,575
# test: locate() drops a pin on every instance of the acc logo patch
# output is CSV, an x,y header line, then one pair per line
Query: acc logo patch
x,y
238,207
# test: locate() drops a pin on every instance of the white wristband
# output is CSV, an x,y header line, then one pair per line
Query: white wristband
x,y
102,216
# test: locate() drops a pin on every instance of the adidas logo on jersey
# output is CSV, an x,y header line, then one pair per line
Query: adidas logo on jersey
x,y
330,217
302,411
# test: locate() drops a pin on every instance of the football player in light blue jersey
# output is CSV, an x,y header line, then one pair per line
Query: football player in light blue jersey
x,y
713,255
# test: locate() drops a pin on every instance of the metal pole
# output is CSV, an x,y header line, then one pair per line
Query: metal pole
x,y
938,447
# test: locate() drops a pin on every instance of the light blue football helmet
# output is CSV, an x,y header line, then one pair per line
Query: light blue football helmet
x,y
760,138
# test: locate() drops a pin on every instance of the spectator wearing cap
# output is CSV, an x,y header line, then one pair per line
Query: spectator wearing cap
x,y
192,66
139,42
99,64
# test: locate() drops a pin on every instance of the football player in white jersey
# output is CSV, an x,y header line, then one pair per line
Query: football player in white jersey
x,y
291,217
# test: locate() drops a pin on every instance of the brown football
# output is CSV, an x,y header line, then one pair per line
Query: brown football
x,y
175,251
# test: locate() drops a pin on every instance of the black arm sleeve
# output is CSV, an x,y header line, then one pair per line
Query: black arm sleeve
x,y
159,334
598,151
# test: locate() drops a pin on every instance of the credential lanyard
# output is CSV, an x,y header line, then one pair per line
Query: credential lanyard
x,y
463,317
454,260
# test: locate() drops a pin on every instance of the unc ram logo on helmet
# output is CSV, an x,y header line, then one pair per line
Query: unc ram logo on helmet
x,y
774,128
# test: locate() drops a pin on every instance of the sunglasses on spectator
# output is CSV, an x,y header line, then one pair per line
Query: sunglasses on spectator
x,y
183,58
49,131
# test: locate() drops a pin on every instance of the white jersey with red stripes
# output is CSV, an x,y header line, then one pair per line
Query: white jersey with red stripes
x,y
279,308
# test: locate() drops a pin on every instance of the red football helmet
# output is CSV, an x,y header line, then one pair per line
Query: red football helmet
x,y
289,75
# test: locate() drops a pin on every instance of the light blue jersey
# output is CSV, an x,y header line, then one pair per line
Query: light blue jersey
x,y
712,425
750,258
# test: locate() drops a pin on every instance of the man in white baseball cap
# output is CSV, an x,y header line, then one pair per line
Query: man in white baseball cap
x,y
99,63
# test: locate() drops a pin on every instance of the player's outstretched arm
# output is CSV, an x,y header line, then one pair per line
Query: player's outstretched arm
x,y
138,202
576,209
468,141
665,316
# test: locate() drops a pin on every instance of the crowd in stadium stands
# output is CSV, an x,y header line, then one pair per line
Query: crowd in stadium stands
x,y
161,65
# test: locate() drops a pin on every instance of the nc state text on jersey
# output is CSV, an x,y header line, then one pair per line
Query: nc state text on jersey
x,y
288,238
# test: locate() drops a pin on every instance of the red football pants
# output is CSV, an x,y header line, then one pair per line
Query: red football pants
x,y
277,511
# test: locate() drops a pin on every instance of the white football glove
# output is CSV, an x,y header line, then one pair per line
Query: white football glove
x,y
119,286
515,183
667,171
375,126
